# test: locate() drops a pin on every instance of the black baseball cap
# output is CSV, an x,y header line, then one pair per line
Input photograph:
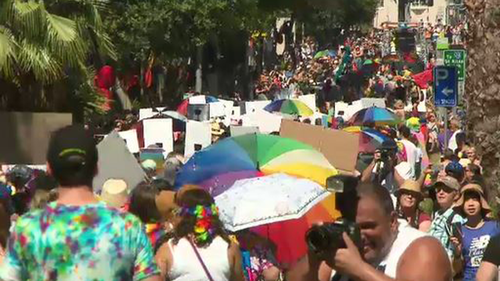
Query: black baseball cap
x,y
72,153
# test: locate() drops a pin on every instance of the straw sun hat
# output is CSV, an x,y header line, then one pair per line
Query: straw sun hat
x,y
472,188
115,193
412,187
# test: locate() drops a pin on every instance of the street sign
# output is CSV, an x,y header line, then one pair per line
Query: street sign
x,y
445,86
456,58
442,43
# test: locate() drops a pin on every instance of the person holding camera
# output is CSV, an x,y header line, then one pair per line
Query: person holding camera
x,y
383,169
384,251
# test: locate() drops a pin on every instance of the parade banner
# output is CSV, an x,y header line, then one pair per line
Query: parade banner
x,y
116,162
159,132
339,147
25,135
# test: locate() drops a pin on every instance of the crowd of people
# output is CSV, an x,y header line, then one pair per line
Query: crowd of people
x,y
420,201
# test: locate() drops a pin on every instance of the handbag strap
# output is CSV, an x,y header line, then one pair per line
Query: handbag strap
x,y
201,260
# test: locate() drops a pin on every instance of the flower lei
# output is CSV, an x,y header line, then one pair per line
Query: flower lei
x,y
204,229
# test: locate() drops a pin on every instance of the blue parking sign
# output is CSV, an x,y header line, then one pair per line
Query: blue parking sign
x,y
445,86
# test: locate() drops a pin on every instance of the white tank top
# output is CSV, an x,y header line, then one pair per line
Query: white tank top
x,y
187,267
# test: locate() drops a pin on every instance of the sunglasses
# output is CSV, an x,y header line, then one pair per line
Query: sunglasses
x,y
445,189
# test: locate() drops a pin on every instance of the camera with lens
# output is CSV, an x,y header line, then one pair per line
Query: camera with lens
x,y
386,154
326,239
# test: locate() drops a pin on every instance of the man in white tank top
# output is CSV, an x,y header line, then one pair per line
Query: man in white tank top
x,y
392,250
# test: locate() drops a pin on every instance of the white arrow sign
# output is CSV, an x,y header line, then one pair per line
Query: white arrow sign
x,y
447,91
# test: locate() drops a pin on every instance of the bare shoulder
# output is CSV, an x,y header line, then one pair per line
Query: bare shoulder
x,y
424,259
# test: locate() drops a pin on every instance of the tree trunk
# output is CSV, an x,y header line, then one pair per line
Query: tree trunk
x,y
483,85
199,69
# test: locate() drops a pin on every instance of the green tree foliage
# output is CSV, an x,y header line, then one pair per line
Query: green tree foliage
x,y
172,29
42,38
43,42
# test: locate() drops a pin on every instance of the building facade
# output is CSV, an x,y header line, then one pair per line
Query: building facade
x,y
417,11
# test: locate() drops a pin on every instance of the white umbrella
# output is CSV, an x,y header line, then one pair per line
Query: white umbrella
x,y
263,200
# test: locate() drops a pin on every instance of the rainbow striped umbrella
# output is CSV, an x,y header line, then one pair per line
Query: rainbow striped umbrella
x,y
217,167
291,107
374,116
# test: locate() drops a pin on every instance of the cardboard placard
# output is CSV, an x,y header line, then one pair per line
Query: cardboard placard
x,y
243,130
131,140
25,135
159,131
339,147
116,161
198,136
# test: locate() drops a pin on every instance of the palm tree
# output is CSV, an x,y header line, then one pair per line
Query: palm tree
x,y
42,41
483,84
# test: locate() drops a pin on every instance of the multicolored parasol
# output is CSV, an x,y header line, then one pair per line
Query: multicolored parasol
x,y
182,108
374,116
218,166
288,236
291,107
370,139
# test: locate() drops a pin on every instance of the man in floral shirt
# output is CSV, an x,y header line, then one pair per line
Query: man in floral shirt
x,y
77,237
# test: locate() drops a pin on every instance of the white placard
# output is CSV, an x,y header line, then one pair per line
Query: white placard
x,y
159,131
309,100
198,100
148,112
341,106
265,121
254,106
243,130
236,112
369,102
228,107
130,138
197,133
216,109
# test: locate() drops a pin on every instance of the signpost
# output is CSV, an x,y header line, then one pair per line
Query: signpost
x,y
445,91
456,58
445,86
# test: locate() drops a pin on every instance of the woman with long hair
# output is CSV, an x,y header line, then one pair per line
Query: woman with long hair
x,y
143,205
198,248
471,238
409,196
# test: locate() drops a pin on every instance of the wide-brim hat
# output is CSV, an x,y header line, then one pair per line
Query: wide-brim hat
x,y
115,193
410,186
448,181
472,188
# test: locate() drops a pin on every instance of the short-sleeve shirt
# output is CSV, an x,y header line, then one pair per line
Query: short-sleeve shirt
x,y
492,253
441,228
475,242
90,242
